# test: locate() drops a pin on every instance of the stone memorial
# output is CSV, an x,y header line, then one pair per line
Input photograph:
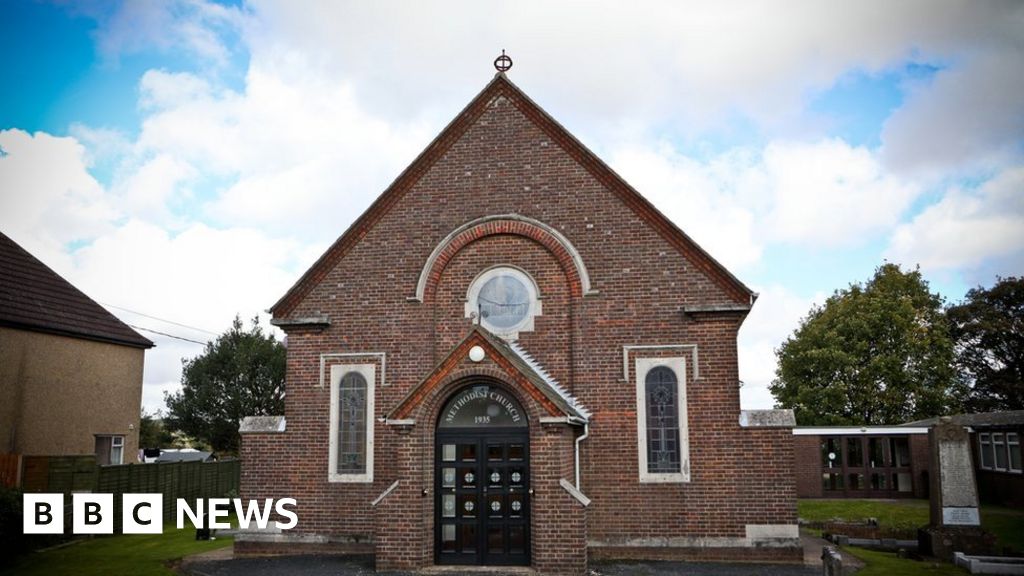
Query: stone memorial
x,y
955,523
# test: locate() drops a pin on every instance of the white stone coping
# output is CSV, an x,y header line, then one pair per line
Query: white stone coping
x,y
574,492
989,564
767,418
757,536
857,430
550,380
385,493
262,425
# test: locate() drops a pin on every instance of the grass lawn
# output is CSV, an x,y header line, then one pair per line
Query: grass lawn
x,y
129,554
1006,523
898,514
887,564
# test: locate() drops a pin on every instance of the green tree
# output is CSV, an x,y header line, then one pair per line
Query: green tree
x,y
152,432
988,329
878,353
240,374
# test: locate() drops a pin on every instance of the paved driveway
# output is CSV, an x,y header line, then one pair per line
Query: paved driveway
x,y
363,566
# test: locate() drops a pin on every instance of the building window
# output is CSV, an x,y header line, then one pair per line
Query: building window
x,y
985,442
352,409
505,300
999,447
832,452
899,449
661,420
1000,451
109,450
1013,447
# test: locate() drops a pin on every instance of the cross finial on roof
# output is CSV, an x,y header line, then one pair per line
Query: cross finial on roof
x,y
502,63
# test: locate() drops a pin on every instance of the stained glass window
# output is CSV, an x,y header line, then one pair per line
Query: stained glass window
x,y
662,391
352,424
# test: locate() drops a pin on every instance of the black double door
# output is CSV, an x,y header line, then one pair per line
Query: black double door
x,y
482,500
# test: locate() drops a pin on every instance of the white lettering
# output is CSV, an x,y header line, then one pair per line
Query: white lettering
x,y
196,517
219,508
281,510
253,511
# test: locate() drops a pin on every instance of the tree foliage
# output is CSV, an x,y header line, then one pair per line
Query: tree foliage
x,y
878,353
240,374
153,433
988,329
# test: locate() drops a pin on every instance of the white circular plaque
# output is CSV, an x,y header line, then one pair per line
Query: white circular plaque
x,y
476,354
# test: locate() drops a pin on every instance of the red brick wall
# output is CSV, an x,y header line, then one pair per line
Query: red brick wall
x,y
808,466
504,164
920,463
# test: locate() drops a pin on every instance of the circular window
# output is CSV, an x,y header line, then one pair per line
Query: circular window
x,y
505,301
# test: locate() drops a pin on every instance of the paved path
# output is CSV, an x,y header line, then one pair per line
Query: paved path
x,y
363,566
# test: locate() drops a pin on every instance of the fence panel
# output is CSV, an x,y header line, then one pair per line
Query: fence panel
x,y
10,466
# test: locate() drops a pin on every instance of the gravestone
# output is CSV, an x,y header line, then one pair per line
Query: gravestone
x,y
955,522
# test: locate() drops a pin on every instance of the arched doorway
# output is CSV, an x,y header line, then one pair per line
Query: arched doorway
x,y
482,479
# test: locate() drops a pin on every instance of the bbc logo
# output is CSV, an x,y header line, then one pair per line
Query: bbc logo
x,y
93,513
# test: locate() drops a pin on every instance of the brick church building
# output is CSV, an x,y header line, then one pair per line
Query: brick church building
x,y
513,358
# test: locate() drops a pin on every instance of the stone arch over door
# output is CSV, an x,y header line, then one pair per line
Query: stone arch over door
x,y
554,241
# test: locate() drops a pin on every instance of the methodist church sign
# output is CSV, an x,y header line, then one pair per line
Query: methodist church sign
x,y
482,406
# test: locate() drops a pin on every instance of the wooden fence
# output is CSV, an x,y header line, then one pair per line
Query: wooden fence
x,y
189,480
10,468
81,473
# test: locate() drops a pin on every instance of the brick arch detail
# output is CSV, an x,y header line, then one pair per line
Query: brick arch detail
x,y
568,257
430,410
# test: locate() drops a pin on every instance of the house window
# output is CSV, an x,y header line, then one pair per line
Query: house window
x,y
109,450
352,409
505,300
661,420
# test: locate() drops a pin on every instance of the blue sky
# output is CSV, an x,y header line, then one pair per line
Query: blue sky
x,y
188,160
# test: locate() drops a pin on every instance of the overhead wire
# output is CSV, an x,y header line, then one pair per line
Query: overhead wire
x,y
160,319
168,335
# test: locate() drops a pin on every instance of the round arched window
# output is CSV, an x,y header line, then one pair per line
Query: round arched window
x,y
505,300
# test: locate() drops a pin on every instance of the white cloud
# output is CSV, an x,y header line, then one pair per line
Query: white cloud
x,y
774,317
194,27
299,155
969,115
689,64
829,194
705,200
47,196
968,229
817,195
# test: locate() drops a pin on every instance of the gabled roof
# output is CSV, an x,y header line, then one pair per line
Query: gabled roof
x,y
34,297
502,86
979,420
523,370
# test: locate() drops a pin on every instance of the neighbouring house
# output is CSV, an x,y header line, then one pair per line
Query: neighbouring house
x,y
862,461
995,451
70,372
895,461
513,358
